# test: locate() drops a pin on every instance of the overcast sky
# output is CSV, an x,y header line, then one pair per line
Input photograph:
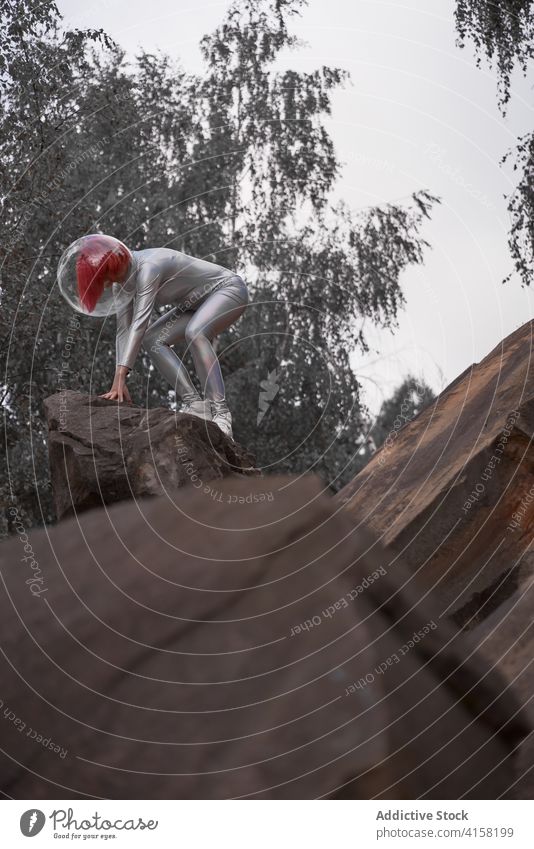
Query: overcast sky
x,y
418,114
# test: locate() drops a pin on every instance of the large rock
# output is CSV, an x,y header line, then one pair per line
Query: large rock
x,y
450,490
237,641
101,451
506,638
452,493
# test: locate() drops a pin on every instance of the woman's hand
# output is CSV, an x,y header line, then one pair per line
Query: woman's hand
x,y
119,390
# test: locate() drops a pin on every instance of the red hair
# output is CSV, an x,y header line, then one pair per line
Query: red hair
x,y
99,259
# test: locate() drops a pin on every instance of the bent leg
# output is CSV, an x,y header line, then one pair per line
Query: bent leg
x,y
220,310
169,329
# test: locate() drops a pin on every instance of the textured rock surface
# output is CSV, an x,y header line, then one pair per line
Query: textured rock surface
x,y
101,451
453,492
506,638
243,641
444,488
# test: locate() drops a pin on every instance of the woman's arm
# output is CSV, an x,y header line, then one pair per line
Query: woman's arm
x,y
146,290
124,323
119,391
131,326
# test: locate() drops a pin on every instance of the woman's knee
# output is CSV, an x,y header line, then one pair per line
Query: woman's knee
x,y
154,340
238,280
192,333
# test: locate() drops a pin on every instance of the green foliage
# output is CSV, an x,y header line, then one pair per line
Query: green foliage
x,y
502,31
407,401
521,209
234,164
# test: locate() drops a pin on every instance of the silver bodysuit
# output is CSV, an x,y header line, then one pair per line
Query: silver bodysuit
x,y
207,298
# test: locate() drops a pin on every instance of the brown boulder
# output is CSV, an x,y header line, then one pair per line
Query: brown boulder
x,y
506,639
102,452
444,488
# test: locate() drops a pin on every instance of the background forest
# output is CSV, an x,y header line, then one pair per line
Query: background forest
x,y
235,165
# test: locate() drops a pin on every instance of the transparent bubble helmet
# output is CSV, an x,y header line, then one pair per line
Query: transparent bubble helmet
x,y
114,298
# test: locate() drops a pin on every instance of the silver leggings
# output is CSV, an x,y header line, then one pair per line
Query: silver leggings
x,y
195,327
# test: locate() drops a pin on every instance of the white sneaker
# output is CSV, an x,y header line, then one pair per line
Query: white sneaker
x,y
222,417
197,407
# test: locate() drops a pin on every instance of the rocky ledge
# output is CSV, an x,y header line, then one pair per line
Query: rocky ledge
x,y
101,452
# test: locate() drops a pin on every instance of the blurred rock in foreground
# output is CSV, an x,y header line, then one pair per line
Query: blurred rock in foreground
x,y
243,641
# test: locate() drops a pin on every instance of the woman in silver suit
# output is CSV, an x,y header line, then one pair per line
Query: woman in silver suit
x,y
206,299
